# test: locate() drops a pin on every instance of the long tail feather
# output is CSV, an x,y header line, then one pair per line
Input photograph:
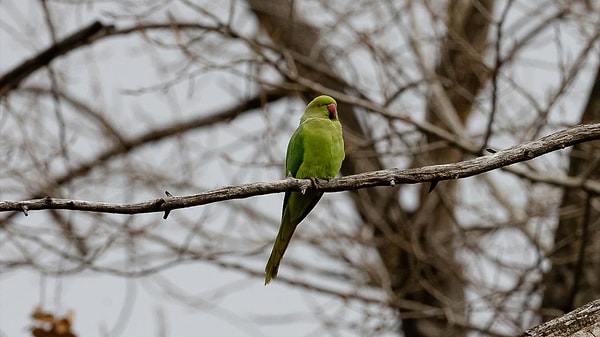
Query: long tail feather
x,y
281,243
297,206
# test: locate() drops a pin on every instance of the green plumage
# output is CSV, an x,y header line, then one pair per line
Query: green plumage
x,y
316,150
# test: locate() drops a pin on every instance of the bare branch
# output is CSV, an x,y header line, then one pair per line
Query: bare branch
x,y
389,177
80,38
151,136
87,35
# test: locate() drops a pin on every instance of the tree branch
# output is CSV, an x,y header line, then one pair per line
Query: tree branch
x,y
389,177
85,36
583,321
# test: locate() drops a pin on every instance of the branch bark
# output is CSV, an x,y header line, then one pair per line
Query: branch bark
x,y
581,322
389,177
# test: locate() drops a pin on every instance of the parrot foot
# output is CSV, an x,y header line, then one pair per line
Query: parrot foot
x,y
314,182
305,186
317,181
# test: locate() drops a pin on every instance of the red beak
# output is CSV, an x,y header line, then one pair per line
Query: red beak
x,y
332,111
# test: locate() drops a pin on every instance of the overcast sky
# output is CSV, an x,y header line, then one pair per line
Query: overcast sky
x,y
106,305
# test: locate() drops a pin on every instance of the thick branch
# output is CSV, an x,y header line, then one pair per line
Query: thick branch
x,y
390,177
583,321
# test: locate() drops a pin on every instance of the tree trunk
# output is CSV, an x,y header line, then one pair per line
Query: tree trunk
x,y
575,275
462,75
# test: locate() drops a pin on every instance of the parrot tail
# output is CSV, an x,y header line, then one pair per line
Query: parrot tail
x,y
279,248
296,209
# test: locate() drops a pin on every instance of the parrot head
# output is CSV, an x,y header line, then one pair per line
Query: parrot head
x,y
321,107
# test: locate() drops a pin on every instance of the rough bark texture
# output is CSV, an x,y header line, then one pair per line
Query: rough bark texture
x,y
575,275
581,322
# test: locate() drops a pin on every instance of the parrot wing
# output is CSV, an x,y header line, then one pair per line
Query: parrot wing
x,y
296,205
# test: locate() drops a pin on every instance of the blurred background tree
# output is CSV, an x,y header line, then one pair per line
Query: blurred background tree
x,y
189,95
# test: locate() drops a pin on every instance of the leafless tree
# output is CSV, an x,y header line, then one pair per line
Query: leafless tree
x,y
191,95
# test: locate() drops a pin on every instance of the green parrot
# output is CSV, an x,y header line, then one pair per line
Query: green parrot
x,y
316,150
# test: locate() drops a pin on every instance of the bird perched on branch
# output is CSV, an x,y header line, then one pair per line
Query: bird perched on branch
x,y
315,151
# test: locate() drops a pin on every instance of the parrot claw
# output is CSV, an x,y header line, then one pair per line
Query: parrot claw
x,y
314,182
